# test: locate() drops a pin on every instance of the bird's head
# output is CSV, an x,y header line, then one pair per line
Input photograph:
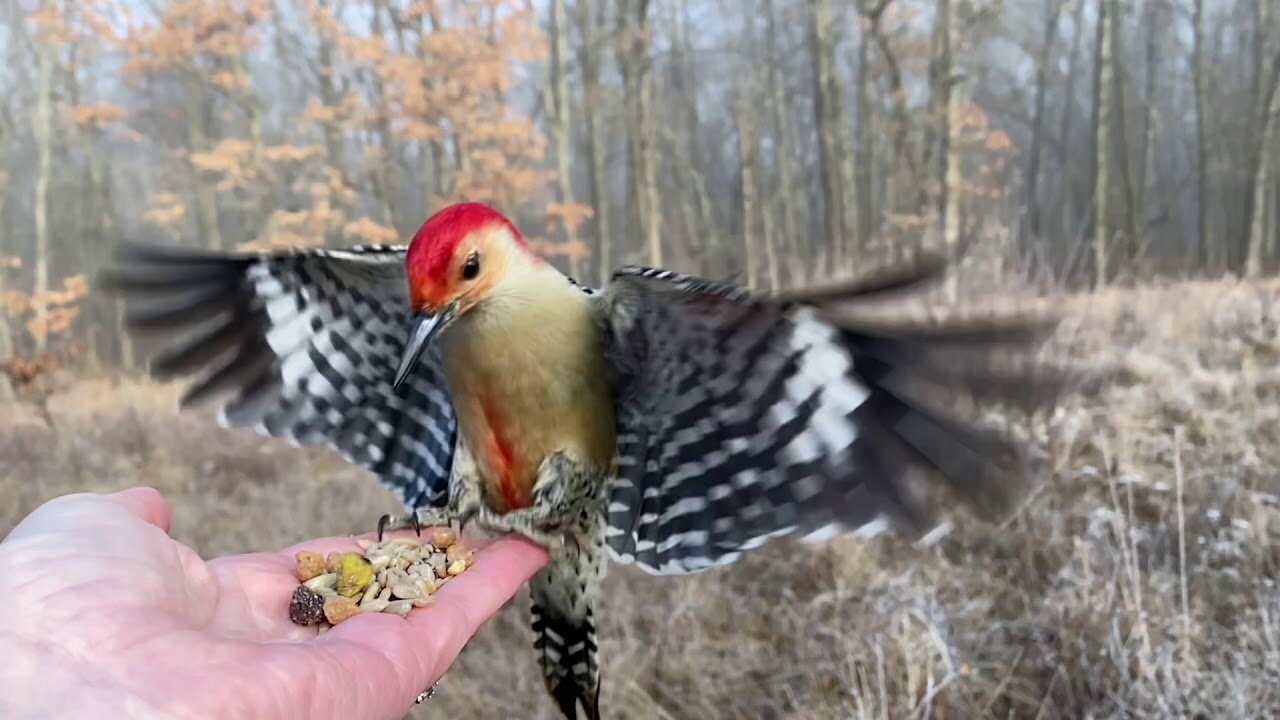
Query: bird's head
x,y
455,260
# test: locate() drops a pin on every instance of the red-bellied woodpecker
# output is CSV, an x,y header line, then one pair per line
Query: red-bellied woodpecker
x,y
666,421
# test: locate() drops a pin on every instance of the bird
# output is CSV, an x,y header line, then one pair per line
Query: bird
x,y
665,421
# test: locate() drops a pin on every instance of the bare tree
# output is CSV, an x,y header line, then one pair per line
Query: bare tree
x,y
589,17
42,132
1264,182
946,96
1052,10
1203,252
1119,127
1102,181
870,15
561,122
673,121
784,157
1154,18
6,332
748,165
749,97
1070,224
829,118
633,36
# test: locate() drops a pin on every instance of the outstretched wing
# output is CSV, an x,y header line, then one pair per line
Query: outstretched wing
x,y
300,345
742,417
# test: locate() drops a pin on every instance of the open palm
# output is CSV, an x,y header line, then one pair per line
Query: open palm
x,y
102,612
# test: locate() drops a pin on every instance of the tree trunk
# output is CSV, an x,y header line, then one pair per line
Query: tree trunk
x,y
590,27
792,235
633,127
1259,118
633,61
1203,251
1120,128
42,134
1154,22
99,222
198,142
914,195
687,153
829,120
947,180
1053,9
651,209
936,132
749,98
1069,216
1102,168
6,332
863,144
435,163
383,176
747,150
329,94
952,181
1264,182
561,124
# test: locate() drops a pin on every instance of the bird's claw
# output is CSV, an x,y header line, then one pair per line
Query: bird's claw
x,y
399,522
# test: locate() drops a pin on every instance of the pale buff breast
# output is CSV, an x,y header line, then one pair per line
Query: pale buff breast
x,y
527,377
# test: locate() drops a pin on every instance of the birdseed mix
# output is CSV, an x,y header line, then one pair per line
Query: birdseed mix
x,y
394,575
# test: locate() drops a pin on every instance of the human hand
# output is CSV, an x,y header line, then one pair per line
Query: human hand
x,y
102,613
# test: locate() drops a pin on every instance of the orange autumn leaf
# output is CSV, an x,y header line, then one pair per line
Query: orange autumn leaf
x,y
368,232
97,114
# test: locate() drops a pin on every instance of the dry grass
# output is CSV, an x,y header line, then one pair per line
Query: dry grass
x,y
1139,581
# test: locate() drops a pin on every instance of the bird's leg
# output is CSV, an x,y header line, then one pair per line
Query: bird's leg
x,y
463,503
548,520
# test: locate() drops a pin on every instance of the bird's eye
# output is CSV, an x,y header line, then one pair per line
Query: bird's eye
x,y
471,268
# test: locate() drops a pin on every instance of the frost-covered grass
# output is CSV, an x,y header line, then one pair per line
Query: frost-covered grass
x,y
1139,580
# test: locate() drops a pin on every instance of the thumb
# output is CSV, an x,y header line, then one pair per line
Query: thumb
x,y
91,515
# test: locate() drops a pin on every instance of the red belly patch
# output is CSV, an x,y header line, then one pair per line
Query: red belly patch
x,y
500,458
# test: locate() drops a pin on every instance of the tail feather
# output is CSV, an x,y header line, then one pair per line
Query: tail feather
x,y
564,595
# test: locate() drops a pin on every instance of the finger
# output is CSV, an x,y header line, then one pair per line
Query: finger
x,y
405,656
146,503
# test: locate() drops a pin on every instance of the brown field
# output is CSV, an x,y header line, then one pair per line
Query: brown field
x,y
1140,580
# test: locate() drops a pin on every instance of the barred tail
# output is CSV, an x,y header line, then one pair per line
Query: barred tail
x,y
564,595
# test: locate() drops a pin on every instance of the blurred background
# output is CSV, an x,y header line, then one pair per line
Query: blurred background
x,y
1122,154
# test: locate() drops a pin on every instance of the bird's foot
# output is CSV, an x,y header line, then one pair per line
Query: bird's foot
x,y
418,519
530,523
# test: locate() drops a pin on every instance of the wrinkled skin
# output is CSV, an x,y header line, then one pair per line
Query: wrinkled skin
x,y
102,613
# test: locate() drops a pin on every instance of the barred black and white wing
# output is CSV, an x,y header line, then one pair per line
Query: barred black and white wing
x,y
742,417
300,345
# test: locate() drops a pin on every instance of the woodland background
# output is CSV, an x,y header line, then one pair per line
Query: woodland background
x,y
1121,154
1068,143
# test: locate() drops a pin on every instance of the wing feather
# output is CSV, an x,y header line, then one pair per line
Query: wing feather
x,y
299,345
743,417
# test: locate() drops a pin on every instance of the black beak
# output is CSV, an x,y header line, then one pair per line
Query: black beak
x,y
424,331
